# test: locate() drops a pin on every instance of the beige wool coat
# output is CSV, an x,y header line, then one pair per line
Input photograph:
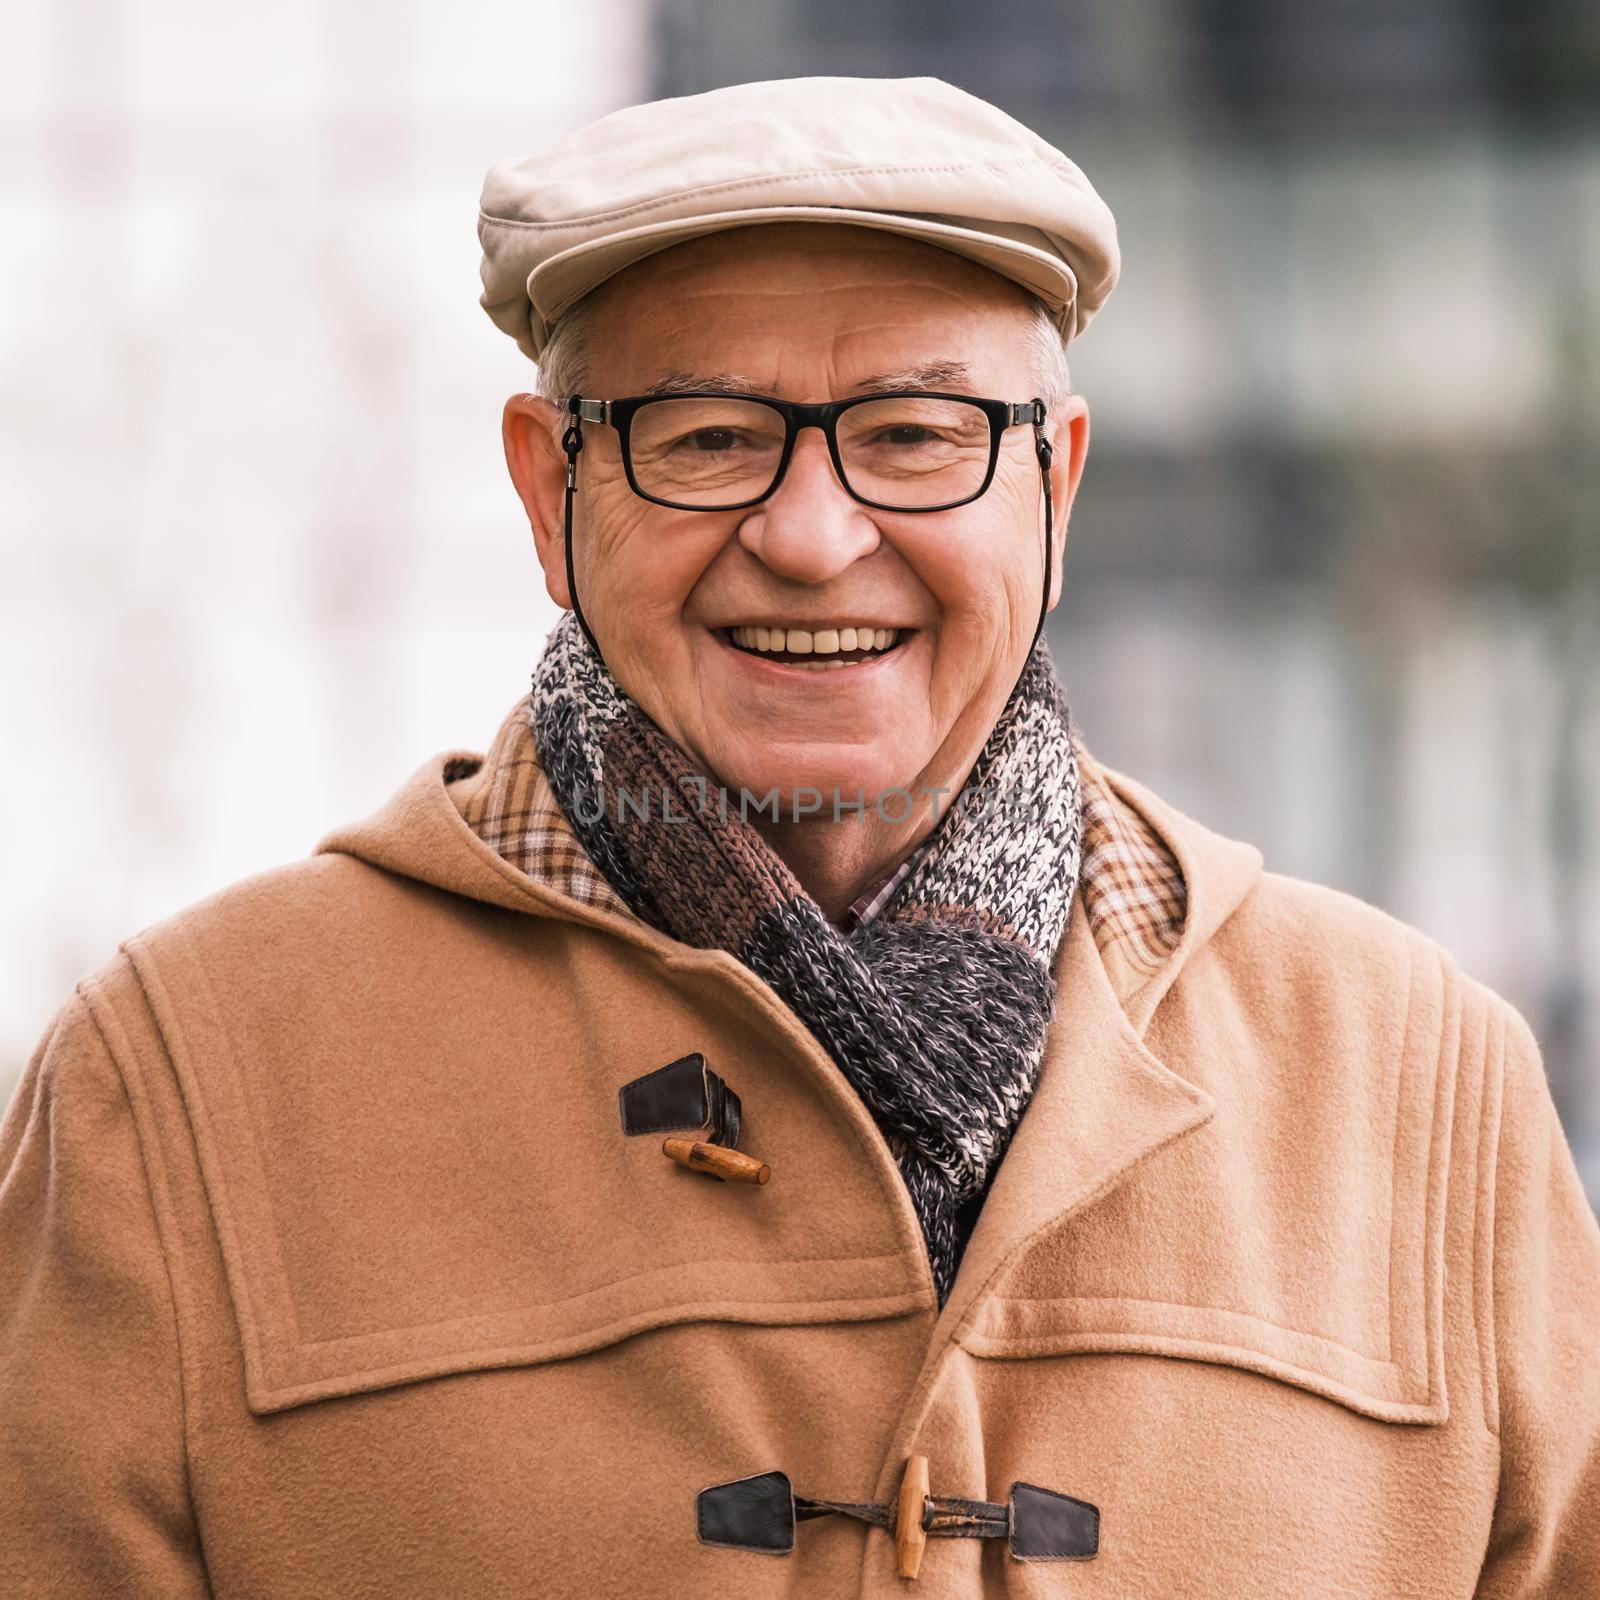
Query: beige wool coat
x,y
326,1268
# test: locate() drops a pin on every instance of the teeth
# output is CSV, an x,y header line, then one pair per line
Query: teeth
x,y
819,641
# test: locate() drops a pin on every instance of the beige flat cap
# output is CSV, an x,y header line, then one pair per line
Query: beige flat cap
x,y
909,155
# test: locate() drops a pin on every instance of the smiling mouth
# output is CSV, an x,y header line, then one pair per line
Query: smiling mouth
x,y
819,650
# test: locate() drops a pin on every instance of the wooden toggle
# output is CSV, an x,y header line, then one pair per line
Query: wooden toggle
x,y
910,1538
720,1160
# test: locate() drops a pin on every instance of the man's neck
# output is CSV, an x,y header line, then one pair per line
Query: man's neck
x,y
838,861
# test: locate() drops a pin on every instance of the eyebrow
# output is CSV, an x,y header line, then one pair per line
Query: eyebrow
x,y
930,375
688,382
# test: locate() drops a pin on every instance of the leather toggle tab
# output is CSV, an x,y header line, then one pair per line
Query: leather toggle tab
x,y
685,1093
688,1094
1047,1526
754,1513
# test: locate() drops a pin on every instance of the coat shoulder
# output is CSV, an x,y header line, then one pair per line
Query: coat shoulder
x,y
1347,973
1339,1021
300,914
1314,937
253,912
318,897
302,949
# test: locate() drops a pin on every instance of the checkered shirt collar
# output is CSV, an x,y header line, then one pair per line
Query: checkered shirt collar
x,y
1130,881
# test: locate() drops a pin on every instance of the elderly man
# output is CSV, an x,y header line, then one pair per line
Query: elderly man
x,y
787,1099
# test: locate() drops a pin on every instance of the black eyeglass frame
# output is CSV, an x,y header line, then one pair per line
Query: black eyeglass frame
x,y
619,414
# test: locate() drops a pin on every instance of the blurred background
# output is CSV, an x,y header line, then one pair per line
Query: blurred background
x,y
1333,579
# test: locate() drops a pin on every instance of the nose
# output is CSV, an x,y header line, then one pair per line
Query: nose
x,y
809,529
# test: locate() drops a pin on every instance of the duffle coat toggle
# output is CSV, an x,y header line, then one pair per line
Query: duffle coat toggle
x,y
760,1513
687,1093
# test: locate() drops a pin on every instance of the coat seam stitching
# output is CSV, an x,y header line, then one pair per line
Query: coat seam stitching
x,y
1403,1400
1436,1191
1495,1082
1386,1361
611,1283
253,1322
87,987
1394,1159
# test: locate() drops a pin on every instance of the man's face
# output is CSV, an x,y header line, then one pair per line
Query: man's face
x,y
808,312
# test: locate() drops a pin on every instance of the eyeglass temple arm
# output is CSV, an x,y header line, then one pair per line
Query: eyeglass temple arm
x,y
1034,412
572,444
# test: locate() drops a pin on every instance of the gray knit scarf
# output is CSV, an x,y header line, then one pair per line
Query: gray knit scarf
x,y
936,1009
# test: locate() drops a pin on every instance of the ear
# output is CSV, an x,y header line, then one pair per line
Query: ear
x,y
531,428
1067,429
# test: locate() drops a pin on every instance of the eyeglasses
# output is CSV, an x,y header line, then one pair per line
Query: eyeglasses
x,y
910,450
714,450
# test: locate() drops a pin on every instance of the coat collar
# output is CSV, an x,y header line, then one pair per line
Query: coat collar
x,y
1103,1102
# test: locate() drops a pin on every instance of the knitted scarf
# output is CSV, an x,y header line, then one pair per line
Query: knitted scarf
x,y
936,1009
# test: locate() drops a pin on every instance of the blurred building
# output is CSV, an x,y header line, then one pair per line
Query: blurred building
x,y
1333,579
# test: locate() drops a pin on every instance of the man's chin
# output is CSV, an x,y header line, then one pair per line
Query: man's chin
x,y
808,782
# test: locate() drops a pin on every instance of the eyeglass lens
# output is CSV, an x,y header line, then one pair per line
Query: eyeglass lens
x,y
905,451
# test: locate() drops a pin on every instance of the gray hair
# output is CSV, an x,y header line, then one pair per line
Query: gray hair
x,y
564,363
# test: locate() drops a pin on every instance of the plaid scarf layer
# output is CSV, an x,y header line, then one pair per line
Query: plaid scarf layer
x,y
936,1009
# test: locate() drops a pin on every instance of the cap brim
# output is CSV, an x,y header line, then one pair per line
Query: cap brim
x,y
556,284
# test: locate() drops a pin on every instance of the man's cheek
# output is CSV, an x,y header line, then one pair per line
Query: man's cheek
x,y
618,568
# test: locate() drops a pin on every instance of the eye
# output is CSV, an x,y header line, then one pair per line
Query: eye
x,y
711,439
904,437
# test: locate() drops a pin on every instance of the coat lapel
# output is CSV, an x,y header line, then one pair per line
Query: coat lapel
x,y
1104,1102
